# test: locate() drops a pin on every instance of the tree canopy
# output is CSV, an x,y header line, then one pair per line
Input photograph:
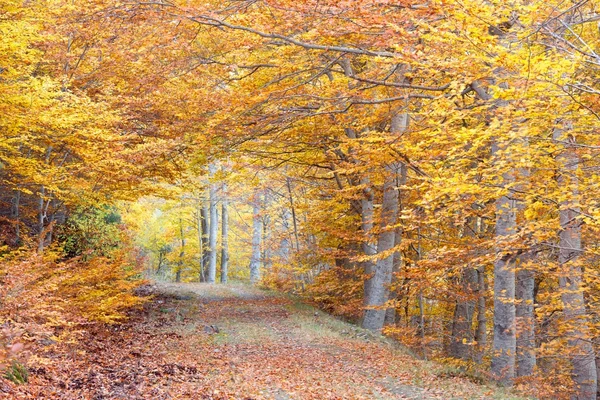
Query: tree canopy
x,y
427,169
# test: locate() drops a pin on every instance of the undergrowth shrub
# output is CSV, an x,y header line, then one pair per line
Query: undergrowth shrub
x,y
338,291
91,231
17,373
282,277
52,298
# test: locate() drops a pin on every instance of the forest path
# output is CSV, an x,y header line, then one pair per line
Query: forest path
x,y
235,341
203,341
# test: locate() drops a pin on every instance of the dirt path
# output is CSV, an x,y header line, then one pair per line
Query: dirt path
x,y
200,341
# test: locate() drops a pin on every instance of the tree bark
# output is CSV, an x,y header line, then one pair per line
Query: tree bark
x,y
462,323
481,332
288,182
525,297
284,243
376,287
377,294
524,291
570,280
462,336
256,236
161,259
16,216
213,226
41,219
204,213
199,230
390,314
266,239
420,299
224,237
504,344
181,252
42,215
368,247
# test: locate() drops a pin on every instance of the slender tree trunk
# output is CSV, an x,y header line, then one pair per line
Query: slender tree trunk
x,y
41,219
504,344
462,336
524,296
481,332
377,294
16,216
224,237
420,303
198,215
41,210
376,287
420,299
160,262
181,252
368,247
204,213
213,227
390,314
16,207
256,236
288,182
462,324
570,280
284,243
266,239
524,290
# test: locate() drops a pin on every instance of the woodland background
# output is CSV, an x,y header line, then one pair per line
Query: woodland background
x,y
427,169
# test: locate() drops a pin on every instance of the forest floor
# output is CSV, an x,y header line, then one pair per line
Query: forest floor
x,y
202,341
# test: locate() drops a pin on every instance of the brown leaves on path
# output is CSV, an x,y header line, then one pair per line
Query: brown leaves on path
x,y
200,341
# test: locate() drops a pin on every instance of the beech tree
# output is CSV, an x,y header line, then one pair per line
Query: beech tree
x,y
224,235
478,217
255,260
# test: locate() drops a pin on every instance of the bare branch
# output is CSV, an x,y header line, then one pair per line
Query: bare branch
x,y
211,21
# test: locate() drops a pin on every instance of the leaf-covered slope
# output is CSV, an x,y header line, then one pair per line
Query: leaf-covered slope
x,y
200,341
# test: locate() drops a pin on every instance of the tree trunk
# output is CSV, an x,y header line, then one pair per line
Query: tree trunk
x,y
16,216
204,213
481,332
266,239
504,344
181,252
570,280
461,338
420,299
376,287
390,313
524,297
462,324
42,210
524,290
284,243
41,219
198,215
224,237
368,248
288,182
161,259
378,282
213,226
256,236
